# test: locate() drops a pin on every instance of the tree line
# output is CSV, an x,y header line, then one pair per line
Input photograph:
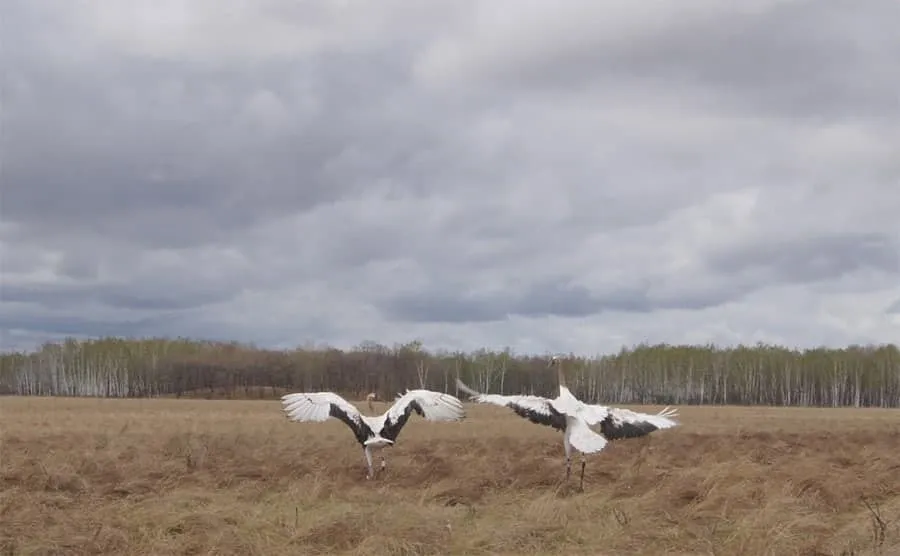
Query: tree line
x,y
761,374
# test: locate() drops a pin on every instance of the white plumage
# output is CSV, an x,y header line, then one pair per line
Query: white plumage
x,y
377,432
575,418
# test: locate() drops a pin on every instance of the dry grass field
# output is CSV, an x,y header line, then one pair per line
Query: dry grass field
x,y
94,476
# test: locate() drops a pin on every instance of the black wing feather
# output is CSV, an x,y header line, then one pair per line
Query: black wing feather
x,y
555,419
617,431
360,429
392,429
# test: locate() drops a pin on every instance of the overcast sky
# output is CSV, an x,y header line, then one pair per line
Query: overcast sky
x,y
568,176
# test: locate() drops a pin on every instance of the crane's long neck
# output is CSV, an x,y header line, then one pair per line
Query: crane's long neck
x,y
561,374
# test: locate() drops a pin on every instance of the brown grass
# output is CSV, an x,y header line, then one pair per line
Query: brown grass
x,y
93,476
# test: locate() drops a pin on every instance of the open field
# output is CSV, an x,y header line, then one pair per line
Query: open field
x,y
100,476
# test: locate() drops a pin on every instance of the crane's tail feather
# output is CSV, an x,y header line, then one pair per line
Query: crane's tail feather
x,y
668,412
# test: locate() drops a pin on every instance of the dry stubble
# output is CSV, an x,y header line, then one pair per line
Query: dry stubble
x,y
89,476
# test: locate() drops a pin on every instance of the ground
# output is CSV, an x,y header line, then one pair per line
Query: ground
x,y
94,476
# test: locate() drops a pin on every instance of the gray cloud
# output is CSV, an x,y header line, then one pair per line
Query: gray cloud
x,y
537,300
216,153
60,325
812,259
118,296
794,58
565,179
440,304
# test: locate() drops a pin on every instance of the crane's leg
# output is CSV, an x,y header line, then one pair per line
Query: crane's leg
x,y
568,448
383,463
371,473
583,464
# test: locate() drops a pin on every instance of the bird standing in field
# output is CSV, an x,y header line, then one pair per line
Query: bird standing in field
x,y
575,418
378,432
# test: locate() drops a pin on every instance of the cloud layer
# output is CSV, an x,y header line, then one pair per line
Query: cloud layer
x,y
472,174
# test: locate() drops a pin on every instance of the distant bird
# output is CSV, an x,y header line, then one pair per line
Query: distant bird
x,y
373,433
371,398
575,418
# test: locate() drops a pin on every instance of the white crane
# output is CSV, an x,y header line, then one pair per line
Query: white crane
x,y
575,418
373,433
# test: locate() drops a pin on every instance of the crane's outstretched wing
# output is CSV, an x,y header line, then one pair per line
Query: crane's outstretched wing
x,y
534,408
433,406
625,423
319,406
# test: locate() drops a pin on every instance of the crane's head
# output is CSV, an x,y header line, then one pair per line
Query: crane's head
x,y
557,362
